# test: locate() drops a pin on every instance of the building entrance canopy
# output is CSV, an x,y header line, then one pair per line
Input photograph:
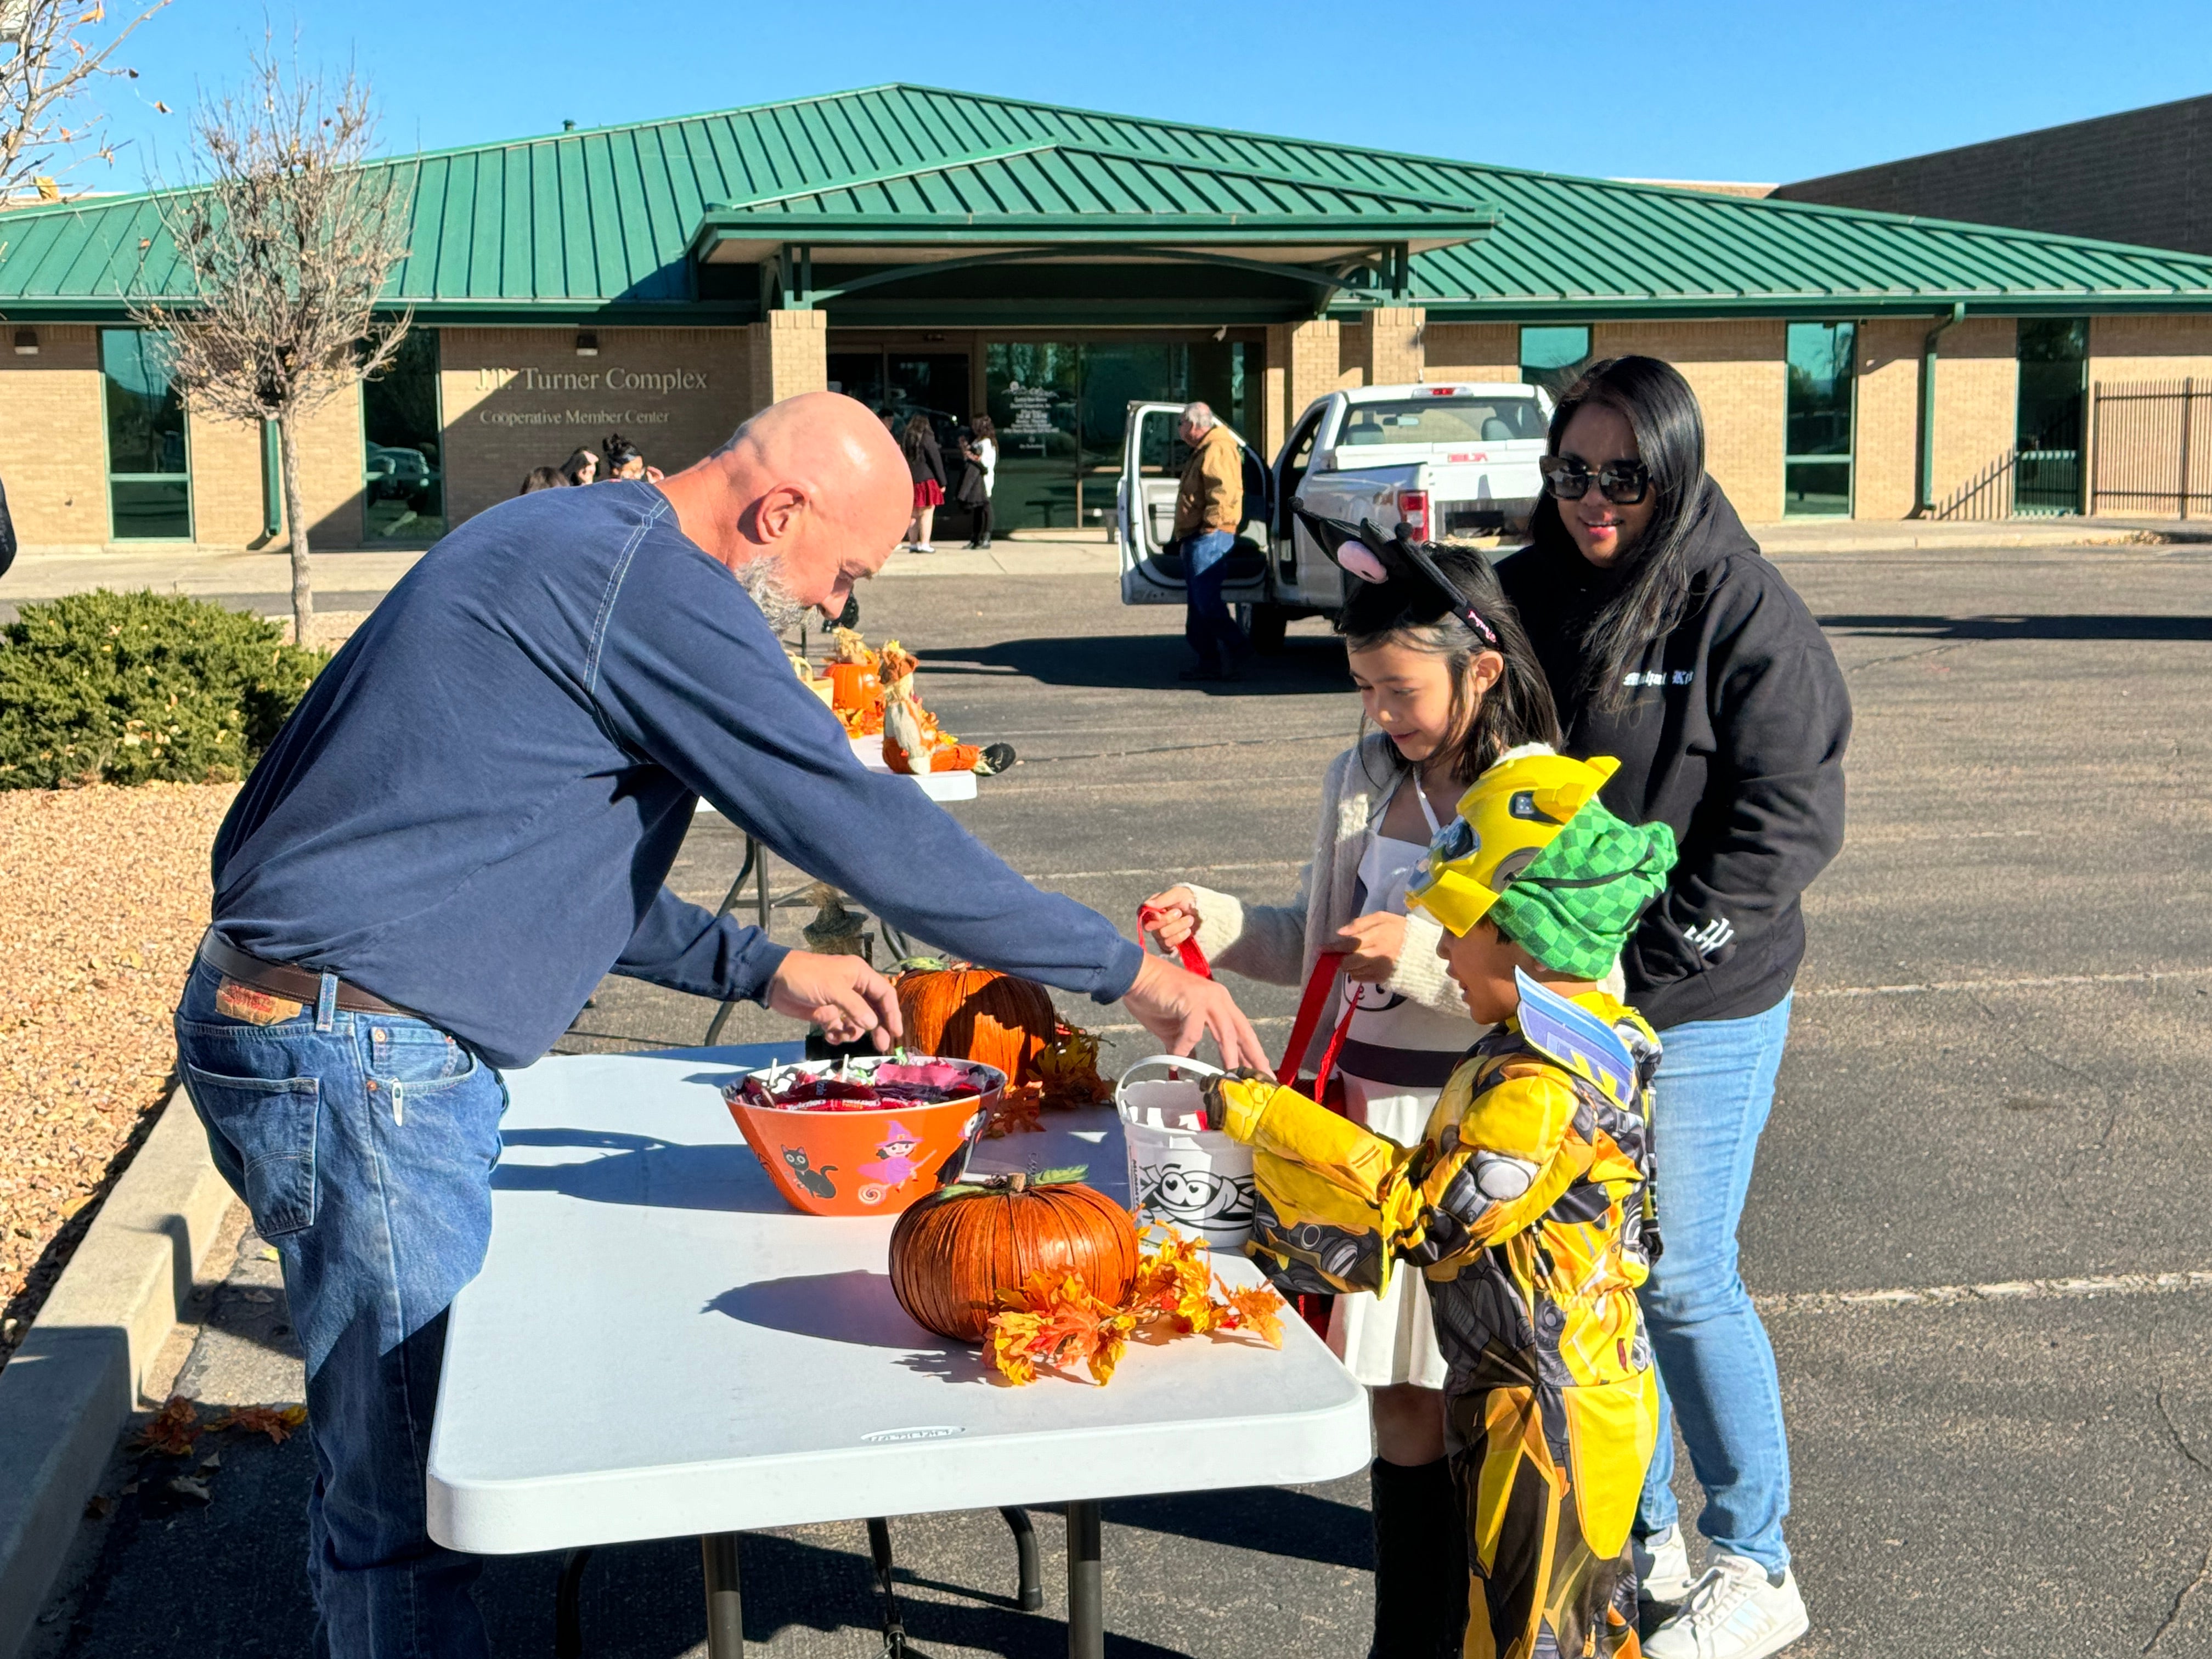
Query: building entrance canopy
x,y
1064,232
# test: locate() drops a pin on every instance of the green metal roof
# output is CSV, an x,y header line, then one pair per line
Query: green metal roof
x,y
603,224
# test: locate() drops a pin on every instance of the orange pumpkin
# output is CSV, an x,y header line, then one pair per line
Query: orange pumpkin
x,y
966,1012
953,1253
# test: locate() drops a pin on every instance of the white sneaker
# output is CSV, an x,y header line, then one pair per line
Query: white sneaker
x,y
1733,1612
1662,1568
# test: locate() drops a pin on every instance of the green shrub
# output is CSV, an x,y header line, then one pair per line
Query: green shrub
x,y
132,688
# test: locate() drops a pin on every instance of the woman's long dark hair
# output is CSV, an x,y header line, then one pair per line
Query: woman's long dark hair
x,y
917,429
1409,611
1654,593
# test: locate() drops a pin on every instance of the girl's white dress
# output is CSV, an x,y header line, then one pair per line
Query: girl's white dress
x,y
1391,1338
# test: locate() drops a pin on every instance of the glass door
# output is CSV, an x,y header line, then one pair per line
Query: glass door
x,y
1030,392
1816,461
2054,353
1061,407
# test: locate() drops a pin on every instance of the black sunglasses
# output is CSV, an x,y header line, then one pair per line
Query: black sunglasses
x,y
1363,551
1622,483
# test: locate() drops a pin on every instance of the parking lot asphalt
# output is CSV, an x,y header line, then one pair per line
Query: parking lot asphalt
x,y
1987,1145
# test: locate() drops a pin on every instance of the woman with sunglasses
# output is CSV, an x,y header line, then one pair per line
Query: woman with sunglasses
x,y
1447,685
1671,644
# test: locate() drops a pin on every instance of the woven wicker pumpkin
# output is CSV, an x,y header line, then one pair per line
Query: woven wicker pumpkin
x,y
966,1012
953,1254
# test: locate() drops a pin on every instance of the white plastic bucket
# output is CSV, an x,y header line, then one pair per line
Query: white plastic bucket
x,y
1179,1171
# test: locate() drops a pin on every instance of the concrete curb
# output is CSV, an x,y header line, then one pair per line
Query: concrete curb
x,y
72,1385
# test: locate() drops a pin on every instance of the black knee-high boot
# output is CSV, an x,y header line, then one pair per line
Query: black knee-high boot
x,y
1420,1561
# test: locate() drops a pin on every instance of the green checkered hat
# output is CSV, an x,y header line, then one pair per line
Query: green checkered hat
x,y
1573,905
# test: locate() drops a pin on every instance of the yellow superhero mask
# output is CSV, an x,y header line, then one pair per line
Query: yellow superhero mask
x,y
1507,816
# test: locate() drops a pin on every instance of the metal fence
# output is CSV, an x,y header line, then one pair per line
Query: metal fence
x,y
2151,447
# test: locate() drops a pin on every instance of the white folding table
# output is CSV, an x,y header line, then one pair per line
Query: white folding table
x,y
717,1362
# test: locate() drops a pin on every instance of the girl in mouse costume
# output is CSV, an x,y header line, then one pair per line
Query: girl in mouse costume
x,y
1447,685
1525,1202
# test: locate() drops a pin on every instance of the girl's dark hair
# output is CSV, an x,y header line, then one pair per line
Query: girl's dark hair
x,y
1409,611
917,429
985,427
545,477
572,468
618,451
1654,592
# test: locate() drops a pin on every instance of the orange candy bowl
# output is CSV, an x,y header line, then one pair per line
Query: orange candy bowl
x,y
862,1157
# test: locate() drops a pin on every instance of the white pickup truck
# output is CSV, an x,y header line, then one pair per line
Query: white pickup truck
x,y
1455,459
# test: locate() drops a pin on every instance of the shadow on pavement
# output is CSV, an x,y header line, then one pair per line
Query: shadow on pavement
x,y
2150,629
1133,662
1273,1520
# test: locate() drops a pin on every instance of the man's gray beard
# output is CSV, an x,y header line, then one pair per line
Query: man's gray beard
x,y
763,580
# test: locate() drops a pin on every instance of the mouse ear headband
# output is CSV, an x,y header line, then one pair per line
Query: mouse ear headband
x,y
1365,552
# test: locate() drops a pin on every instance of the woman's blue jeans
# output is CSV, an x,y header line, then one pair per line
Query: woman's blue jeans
x,y
1717,1372
363,1146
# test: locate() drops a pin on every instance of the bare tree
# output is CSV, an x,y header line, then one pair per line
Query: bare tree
x,y
50,57
281,254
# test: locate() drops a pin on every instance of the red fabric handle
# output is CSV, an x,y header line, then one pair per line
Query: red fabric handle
x,y
1319,984
1193,958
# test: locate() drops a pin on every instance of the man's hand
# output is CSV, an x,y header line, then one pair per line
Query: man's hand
x,y
841,994
1178,1007
1372,944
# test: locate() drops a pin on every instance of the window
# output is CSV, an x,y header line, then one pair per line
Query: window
x,y
1816,466
1442,420
404,439
2053,360
150,487
1551,357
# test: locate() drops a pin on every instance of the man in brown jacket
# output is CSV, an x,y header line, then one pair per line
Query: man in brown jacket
x,y
1209,509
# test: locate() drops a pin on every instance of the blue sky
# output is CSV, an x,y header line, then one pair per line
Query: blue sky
x,y
1711,91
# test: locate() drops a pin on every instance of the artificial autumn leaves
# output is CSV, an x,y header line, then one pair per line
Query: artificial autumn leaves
x,y
1052,1320
1045,1271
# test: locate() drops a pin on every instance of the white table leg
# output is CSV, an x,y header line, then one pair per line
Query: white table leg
x,y
725,1622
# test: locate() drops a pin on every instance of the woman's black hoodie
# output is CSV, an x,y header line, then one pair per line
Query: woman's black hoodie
x,y
1734,737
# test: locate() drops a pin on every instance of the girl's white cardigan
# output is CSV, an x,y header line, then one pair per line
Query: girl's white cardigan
x,y
1278,943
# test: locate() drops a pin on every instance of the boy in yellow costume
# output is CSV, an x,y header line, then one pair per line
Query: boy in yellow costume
x,y
1527,1203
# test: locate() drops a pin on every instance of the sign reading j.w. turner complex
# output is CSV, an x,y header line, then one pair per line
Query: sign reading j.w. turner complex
x,y
613,385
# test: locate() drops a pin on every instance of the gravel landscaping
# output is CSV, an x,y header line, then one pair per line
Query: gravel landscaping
x,y
103,895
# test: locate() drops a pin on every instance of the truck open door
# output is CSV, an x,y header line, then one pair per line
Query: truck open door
x,y
1152,457
1304,573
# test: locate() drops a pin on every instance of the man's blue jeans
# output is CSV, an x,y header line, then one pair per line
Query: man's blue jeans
x,y
1716,1373
1208,627
363,1145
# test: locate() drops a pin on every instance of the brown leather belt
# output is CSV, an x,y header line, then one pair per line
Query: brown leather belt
x,y
294,984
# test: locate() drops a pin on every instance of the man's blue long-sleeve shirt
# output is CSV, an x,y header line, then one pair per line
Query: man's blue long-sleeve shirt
x,y
472,812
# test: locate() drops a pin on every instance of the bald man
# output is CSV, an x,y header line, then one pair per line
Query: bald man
x,y
467,822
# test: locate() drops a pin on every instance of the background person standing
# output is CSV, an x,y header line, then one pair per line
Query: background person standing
x,y
1209,508
1671,644
981,477
925,463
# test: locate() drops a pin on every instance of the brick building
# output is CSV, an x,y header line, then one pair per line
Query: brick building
x,y
2144,176
951,254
